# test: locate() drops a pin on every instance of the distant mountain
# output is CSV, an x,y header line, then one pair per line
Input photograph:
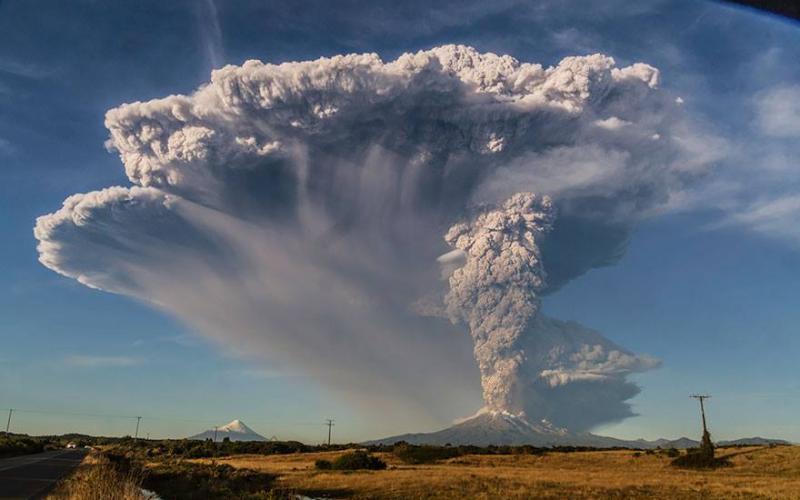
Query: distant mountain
x,y
682,442
502,428
235,431
753,441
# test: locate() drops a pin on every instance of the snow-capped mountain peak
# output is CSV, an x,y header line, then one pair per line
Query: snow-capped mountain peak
x,y
235,430
235,426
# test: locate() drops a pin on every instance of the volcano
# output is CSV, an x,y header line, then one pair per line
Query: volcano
x,y
503,428
235,431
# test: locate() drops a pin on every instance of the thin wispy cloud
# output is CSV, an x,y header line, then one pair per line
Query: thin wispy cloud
x,y
210,32
6,148
778,111
183,340
23,69
773,217
99,361
262,374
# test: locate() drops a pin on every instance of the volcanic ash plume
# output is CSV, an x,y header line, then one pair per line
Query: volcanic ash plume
x,y
292,213
496,291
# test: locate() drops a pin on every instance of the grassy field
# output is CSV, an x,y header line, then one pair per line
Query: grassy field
x,y
756,472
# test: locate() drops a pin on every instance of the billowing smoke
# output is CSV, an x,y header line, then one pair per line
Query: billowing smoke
x,y
295,214
496,291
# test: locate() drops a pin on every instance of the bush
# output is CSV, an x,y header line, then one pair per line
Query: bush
x,y
189,481
701,458
673,453
416,455
358,460
323,465
11,445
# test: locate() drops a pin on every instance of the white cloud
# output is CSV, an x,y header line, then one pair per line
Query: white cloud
x,y
776,217
778,110
596,363
611,123
99,361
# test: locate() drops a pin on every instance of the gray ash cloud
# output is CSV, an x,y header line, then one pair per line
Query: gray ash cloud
x,y
293,213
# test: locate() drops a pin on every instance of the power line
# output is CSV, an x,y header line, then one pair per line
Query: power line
x,y
74,414
212,422
153,417
131,417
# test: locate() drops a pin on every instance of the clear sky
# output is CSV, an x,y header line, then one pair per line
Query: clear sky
x,y
710,289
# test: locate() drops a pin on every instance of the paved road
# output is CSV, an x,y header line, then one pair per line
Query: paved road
x,y
32,476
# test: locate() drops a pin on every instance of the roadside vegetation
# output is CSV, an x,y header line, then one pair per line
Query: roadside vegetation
x,y
111,475
99,477
11,445
22,444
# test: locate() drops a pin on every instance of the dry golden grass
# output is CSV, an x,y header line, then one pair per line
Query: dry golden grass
x,y
96,479
757,472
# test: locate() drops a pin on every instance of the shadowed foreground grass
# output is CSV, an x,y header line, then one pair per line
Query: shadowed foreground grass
x,y
756,472
103,476
98,478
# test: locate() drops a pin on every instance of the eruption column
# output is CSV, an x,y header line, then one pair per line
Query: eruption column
x,y
495,292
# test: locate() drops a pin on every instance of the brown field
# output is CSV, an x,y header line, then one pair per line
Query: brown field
x,y
756,472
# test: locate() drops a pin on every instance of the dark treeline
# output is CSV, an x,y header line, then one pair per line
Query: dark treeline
x,y
16,444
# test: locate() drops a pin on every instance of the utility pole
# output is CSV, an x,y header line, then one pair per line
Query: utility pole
x,y
706,446
138,419
329,423
8,423
701,397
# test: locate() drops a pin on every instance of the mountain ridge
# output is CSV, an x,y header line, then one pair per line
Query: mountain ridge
x,y
506,429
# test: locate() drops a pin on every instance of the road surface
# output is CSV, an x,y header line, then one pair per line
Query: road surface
x,y
32,476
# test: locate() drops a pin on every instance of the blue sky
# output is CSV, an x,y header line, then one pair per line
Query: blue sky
x,y
710,289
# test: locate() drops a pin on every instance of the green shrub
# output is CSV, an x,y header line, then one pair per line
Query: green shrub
x,y
358,460
320,464
187,481
11,445
416,455
699,458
